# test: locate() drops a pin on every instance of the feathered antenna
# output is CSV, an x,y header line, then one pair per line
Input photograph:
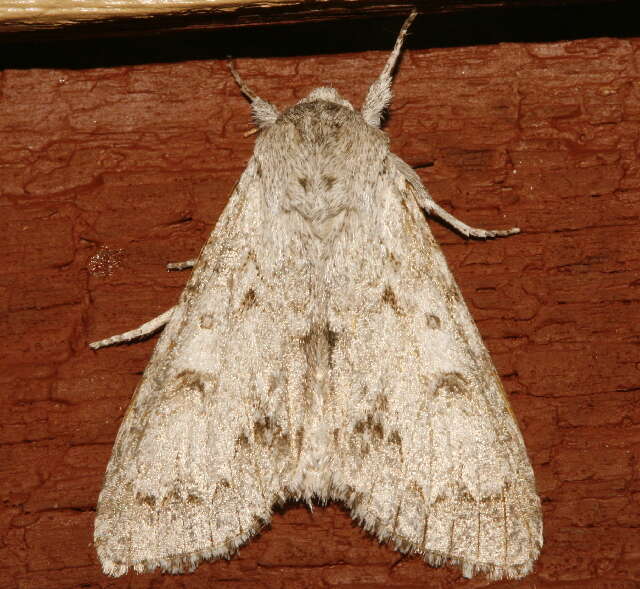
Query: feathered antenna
x,y
264,112
379,94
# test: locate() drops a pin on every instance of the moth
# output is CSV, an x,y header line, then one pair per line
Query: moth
x,y
321,351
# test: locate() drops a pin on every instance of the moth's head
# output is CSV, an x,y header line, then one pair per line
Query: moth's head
x,y
327,95
377,99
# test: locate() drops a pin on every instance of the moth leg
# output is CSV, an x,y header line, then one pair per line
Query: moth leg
x,y
433,208
436,210
181,265
139,332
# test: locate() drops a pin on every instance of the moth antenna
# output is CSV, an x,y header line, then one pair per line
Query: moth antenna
x,y
379,94
250,94
264,113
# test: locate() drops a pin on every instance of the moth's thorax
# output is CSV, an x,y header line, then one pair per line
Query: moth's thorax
x,y
320,151
320,123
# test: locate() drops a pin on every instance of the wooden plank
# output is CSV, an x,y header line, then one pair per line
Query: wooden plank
x,y
89,17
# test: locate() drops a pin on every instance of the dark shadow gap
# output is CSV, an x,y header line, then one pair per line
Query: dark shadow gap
x,y
473,27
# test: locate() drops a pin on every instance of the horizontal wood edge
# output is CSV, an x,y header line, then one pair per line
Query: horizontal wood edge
x,y
64,17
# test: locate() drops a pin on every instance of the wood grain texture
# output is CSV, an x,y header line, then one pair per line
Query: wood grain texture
x,y
68,17
118,157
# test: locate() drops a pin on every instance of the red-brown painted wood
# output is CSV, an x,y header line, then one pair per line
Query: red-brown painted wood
x,y
107,173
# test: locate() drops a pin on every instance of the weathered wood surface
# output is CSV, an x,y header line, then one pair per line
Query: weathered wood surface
x,y
68,17
121,157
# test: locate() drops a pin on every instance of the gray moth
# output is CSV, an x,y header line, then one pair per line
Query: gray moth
x,y
321,351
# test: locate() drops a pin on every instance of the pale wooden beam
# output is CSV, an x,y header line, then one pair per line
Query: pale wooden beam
x,y
129,16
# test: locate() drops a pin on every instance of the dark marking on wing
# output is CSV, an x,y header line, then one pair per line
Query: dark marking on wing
x,y
353,498
452,293
267,432
148,500
192,379
332,340
207,321
452,383
328,182
191,289
318,345
433,321
389,298
382,403
222,486
242,441
299,439
370,426
260,427
394,438
394,260
304,183
172,497
249,300
253,259
383,170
